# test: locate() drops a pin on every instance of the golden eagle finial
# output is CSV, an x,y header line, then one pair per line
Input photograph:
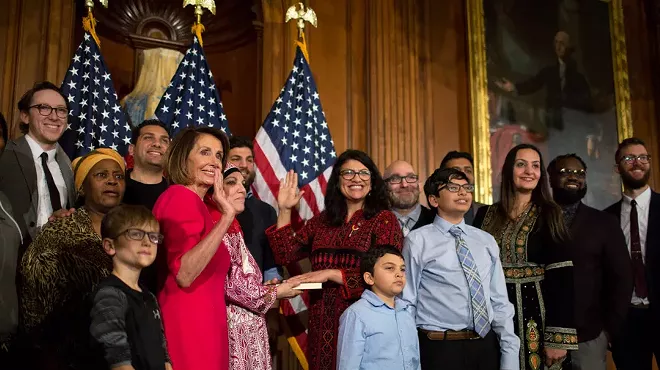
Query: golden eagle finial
x,y
199,4
301,14
90,3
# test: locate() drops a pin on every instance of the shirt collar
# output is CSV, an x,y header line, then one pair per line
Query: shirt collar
x,y
413,215
445,225
643,200
36,149
374,300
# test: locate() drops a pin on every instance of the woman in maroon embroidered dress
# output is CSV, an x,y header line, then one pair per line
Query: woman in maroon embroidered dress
x,y
356,218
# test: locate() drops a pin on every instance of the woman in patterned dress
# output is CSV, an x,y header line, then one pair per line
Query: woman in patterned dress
x,y
529,229
248,299
356,218
62,266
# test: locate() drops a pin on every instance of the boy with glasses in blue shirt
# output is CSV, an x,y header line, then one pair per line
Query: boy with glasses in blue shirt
x,y
126,320
378,331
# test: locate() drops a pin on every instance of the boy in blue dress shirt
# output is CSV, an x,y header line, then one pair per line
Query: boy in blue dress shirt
x,y
378,331
456,285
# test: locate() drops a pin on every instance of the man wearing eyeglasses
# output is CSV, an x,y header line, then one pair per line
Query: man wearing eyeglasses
x,y
456,283
639,215
603,275
403,189
35,173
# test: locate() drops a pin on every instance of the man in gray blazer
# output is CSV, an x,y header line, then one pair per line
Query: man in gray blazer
x,y
35,173
463,162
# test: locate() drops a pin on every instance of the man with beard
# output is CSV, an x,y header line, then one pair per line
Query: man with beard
x,y
463,162
639,214
145,182
603,275
258,215
403,185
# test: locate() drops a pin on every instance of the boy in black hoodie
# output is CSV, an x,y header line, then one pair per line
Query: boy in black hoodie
x,y
126,319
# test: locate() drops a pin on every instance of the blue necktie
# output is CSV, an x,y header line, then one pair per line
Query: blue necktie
x,y
479,310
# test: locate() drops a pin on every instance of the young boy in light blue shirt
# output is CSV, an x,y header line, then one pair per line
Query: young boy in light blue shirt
x,y
378,331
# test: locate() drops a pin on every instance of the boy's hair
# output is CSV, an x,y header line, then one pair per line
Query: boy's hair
x,y
370,257
124,217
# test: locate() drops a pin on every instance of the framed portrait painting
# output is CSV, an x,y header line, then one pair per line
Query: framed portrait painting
x,y
552,73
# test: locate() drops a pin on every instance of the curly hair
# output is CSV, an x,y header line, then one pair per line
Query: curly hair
x,y
376,201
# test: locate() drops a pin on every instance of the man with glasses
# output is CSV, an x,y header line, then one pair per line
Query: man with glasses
x,y
463,162
35,174
403,190
603,275
639,215
456,282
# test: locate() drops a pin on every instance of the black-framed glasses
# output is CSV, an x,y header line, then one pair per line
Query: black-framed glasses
x,y
137,234
581,173
45,110
455,188
350,174
643,158
396,179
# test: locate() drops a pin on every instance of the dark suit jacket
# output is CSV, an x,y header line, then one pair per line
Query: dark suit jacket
x,y
18,181
603,273
652,246
575,95
254,220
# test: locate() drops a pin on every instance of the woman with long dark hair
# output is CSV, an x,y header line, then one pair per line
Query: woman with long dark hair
x,y
529,229
356,218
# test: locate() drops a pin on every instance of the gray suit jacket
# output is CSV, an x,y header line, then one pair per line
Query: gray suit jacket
x,y
18,181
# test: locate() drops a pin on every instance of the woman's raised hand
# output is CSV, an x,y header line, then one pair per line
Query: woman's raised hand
x,y
219,195
289,194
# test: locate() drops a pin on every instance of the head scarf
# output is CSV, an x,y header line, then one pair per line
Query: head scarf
x,y
82,165
229,169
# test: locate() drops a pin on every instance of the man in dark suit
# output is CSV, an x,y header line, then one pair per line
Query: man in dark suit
x,y
35,173
403,188
603,273
463,162
639,215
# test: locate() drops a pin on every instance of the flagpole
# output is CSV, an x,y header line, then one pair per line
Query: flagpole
x,y
89,22
301,14
198,27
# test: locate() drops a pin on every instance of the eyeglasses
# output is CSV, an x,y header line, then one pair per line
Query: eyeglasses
x,y
350,174
455,188
46,110
396,179
567,172
644,158
137,234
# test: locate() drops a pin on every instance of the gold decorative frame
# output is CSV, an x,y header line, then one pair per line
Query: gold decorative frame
x,y
478,80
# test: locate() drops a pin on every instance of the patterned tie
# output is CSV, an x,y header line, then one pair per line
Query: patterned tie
x,y
479,310
404,226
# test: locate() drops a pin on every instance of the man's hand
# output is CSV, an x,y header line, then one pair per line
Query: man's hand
x,y
61,214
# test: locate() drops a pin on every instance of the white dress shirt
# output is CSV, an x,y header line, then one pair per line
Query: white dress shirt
x,y
44,207
643,206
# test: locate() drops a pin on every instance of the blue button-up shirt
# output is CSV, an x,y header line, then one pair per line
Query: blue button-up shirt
x,y
375,336
437,288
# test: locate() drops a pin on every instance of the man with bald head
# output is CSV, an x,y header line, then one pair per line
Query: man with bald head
x,y
403,186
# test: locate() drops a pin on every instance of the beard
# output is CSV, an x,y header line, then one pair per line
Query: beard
x,y
565,196
249,178
632,183
407,201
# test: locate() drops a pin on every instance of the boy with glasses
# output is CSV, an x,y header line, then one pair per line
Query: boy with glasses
x,y
126,321
456,283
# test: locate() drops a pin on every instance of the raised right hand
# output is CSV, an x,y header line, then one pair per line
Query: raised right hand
x,y
289,194
285,290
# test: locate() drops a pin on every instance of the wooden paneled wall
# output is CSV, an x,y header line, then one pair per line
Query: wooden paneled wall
x,y
391,74
35,44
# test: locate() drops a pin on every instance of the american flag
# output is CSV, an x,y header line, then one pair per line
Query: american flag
x,y
295,136
95,117
192,98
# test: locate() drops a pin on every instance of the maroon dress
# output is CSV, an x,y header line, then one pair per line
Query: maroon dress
x,y
332,247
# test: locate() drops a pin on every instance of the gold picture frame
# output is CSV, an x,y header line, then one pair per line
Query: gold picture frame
x,y
478,89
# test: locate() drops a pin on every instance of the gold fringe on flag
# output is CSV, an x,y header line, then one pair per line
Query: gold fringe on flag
x,y
89,25
197,29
